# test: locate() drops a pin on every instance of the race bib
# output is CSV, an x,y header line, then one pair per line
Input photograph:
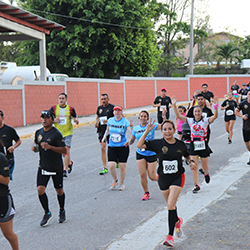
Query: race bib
x,y
162,107
170,167
229,112
115,137
235,91
204,115
62,121
44,172
244,97
142,149
199,145
102,119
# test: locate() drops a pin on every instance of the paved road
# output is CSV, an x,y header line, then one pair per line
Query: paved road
x,y
96,215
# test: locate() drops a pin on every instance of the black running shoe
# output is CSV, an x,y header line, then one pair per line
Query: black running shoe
x,y
201,171
229,141
62,216
207,178
64,173
70,167
248,162
46,218
196,189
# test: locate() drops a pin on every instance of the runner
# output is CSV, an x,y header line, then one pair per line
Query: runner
x,y
199,145
118,146
194,102
146,160
50,145
162,102
8,135
243,92
182,110
7,209
229,106
245,108
235,89
169,151
63,113
208,95
103,113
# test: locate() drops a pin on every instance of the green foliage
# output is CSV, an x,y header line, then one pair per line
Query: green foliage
x,y
9,51
92,49
244,48
226,51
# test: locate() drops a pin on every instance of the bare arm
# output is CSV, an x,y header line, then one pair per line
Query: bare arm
x,y
105,135
181,117
237,112
141,142
212,118
13,147
4,180
60,150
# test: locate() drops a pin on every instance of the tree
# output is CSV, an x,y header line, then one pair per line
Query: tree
x,y
90,46
226,51
9,51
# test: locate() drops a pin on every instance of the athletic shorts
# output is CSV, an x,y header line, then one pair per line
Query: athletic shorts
x,y
67,140
229,118
165,182
148,159
7,209
179,132
202,153
118,154
42,180
246,135
100,136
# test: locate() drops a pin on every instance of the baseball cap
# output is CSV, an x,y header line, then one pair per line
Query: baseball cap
x,y
1,113
244,84
163,89
117,108
48,114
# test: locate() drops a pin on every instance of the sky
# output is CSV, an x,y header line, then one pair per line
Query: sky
x,y
231,16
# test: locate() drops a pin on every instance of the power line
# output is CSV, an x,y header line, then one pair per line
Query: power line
x,y
88,20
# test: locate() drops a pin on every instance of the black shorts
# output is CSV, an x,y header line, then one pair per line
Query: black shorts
x,y
118,154
160,119
100,136
149,159
179,132
42,180
246,135
7,209
202,153
165,182
229,118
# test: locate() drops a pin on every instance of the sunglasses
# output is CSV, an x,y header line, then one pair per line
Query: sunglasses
x,y
46,113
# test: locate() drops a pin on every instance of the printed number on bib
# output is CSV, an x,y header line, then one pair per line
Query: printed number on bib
x,y
44,172
199,145
229,112
102,119
204,115
62,121
115,137
162,107
170,167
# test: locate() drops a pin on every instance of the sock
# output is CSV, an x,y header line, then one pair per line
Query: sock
x,y
172,219
44,202
61,201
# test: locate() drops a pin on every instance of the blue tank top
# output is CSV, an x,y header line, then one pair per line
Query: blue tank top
x,y
117,130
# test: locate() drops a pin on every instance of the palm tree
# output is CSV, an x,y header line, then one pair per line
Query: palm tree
x,y
226,50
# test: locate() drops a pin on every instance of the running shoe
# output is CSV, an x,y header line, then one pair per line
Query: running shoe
x,y
117,165
169,241
201,171
229,141
146,197
46,218
104,171
70,167
62,216
64,173
248,162
196,189
121,187
207,178
114,185
178,229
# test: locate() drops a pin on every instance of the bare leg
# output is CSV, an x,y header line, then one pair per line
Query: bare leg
x,y
195,170
152,171
112,169
67,158
104,154
231,126
142,167
123,171
204,163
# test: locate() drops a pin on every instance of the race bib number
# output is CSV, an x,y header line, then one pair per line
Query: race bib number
x,y
235,91
115,137
199,145
170,167
102,119
44,172
204,115
229,112
244,97
162,107
62,121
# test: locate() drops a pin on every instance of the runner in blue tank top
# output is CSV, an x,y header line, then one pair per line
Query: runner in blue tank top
x,y
118,147
146,160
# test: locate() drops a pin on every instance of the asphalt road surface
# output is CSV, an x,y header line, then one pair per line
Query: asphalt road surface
x,y
97,216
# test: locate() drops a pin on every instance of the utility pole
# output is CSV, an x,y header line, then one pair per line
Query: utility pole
x,y
191,58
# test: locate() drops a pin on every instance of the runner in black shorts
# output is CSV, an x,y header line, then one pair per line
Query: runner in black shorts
x,y
199,145
103,113
169,151
50,145
7,209
245,108
229,106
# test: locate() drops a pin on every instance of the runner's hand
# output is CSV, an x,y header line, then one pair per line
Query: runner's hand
x,y
192,165
216,100
126,144
150,125
57,120
174,100
11,149
45,145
